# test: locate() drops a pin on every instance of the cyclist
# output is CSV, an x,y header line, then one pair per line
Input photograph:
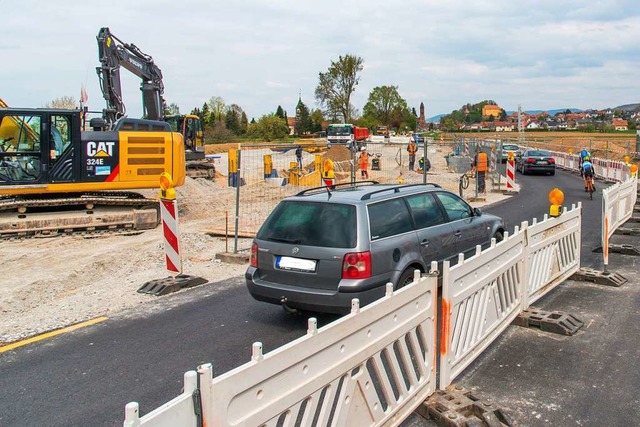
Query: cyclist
x,y
584,153
588,173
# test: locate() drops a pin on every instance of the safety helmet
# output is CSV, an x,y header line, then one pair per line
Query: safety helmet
x,y
587,158
363,149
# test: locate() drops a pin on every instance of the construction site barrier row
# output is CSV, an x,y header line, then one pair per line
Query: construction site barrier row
x,y
376,365
618,202
372,367
608,170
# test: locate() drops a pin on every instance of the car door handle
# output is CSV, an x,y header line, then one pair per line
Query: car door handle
x,y
425,242
458,233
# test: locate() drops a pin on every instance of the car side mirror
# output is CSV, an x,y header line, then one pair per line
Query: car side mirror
x,y
477,211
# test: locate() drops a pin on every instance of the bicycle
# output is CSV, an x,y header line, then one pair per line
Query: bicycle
x,y
591,186
465,179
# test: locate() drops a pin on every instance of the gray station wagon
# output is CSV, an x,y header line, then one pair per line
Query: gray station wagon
x,y
321,248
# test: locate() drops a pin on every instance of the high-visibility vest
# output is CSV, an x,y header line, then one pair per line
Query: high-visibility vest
x,y
482,163
364,160
412,148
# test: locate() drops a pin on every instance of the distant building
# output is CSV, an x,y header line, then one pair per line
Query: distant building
x,y
620,124
504,126
491,110
291,122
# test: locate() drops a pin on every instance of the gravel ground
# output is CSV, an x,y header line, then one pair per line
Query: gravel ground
x,y
48,283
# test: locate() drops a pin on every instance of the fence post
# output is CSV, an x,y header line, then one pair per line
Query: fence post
x,y
424,162
237,218
353,162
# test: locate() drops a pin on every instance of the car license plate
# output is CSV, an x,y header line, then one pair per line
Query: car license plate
x,y
299,264
542,162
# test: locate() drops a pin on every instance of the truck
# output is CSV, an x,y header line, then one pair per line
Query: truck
x,y
353,137
114,54
382,130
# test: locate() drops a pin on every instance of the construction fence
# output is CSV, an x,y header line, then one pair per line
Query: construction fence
x,y
376,365
254,178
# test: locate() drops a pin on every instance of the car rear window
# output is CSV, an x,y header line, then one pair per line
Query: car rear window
x,y
538,153
328,225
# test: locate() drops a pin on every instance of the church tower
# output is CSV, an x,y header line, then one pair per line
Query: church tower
x,y
422,121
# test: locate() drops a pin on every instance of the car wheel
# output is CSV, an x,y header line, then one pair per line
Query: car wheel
x,y
553,173
405,279
498,236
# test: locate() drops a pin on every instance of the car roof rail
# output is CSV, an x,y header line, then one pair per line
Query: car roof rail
x,y
328,189
397,189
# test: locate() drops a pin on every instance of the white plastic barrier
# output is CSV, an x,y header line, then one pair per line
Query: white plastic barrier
x,y
483,294
608,170
480,297
176,412
372,367
552,252
618,202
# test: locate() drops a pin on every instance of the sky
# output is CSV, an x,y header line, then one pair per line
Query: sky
x,y
258,54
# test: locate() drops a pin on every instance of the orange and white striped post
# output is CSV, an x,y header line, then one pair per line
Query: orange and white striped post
x,y
511,172
173,259
169,216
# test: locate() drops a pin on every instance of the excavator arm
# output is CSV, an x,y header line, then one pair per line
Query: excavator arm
x,y
113,54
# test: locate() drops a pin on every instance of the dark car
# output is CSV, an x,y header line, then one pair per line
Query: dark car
x,y
533,160
321,248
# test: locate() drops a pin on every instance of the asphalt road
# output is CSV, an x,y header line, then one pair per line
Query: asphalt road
x,y
86,377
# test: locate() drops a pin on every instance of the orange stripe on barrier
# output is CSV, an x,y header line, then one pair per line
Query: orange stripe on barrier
x,y
444,328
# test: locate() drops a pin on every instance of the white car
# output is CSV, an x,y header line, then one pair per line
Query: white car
x,y
505,151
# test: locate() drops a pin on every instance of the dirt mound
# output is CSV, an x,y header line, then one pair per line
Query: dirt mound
x,y
338,154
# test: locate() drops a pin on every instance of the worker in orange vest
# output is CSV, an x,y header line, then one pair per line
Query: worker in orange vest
x,y
363,161
481,166
412,148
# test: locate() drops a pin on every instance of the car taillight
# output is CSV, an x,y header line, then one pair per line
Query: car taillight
x,y
552,161
356,265
253,259
530,160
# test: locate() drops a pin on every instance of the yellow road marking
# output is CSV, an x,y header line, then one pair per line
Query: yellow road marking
x,y
51,334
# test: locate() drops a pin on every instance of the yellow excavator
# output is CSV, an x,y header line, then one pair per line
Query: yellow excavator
x,y
55,178
115,54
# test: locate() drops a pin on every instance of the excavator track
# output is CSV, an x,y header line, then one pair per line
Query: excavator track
x,y
87,213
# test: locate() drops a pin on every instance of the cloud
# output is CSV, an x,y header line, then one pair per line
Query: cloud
x,y
261,54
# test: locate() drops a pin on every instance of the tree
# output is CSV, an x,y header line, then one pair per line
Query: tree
x,y
233,115
217,106
280,112
303,122
205,113
317,118
337,84
65,102
385,105
268,128
244,123
232,121
173,109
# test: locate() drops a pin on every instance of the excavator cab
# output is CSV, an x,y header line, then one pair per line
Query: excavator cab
x,y
191,129
35,146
